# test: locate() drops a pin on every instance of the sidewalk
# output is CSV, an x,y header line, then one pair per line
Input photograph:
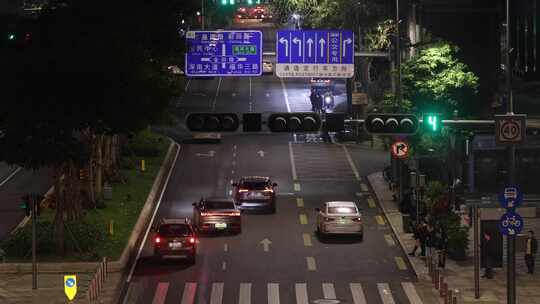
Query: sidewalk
x,y
458,275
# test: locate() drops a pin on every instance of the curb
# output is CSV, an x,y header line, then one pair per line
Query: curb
x,y
394,229
114,266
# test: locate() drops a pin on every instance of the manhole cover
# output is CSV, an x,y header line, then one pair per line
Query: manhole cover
x,y
326,301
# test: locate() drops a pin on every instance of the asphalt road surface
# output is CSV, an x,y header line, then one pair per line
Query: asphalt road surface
x,y
297,266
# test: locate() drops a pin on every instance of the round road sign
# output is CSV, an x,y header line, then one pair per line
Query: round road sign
x,y
511,223
400,149
510,130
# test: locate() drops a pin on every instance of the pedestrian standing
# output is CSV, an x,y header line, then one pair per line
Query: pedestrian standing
x,y
312,99
319,102
488,256
430,239
532,248
442,246
416,236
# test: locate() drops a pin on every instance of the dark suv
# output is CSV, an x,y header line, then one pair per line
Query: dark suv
x,y
256,193
175,238
217,214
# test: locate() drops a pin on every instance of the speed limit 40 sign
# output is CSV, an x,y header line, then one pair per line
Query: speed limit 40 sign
x,y
510,128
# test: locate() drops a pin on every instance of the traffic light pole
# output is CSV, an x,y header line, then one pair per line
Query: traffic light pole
x,y
34,219
202,14
511,239
398,96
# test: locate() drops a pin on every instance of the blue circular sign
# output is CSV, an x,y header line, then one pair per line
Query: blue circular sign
x,y
511,197
511,223
70,282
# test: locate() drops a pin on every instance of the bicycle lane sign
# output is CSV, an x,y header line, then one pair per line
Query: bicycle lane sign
x,y
511,223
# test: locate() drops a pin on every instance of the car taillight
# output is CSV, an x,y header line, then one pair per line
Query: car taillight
x,y
236,213
157,240
329,219
243,190
192,240
268,190
204,214
357,219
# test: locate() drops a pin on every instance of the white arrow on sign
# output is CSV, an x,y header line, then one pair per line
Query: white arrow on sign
x,y
299,42
223,53
309,42
345,42
210,153
286,42
266,244
261,153
322,42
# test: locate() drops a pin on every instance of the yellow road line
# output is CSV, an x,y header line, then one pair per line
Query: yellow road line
x,y
311,265
300,202
297,187
390,240
364,187
307,240
400,263
303,219
379,219
371,202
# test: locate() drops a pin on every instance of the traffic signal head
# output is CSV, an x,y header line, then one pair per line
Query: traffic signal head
x,y
294,122
212,122
252,122
391,124
11,36
432,122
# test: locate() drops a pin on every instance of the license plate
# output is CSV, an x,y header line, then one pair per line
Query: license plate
x,y
343,221
255,194
221,225
175,245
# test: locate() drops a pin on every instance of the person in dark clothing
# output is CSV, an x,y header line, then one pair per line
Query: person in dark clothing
x,y
419,235
488,258
530,252
312,99
406,202
442,246
318,102
430,239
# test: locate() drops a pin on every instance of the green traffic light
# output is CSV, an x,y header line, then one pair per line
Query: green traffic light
x,y
11,36
250,2
224,2
432,121
231,2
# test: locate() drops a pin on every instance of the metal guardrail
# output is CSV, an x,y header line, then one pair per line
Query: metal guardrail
x,y
98,281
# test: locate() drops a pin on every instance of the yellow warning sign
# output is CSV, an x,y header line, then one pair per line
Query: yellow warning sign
x,y
70,286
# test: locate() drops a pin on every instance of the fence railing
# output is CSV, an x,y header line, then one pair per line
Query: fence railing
x,y
98,281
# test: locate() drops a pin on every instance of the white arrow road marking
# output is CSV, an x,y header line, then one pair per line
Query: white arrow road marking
x,y
309,42
266,244
345,42
299,42
210,153
286,42
261,153
321,44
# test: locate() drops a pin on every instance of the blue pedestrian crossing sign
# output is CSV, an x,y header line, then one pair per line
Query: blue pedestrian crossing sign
x,y
70,286
511,223
511,197
224,53
315,53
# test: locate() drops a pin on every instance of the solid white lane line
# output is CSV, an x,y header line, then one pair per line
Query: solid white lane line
x,y
328,291
293,165
216,297
250,87
187,85
311,265
188,297
10,176
285,95
273,293
385,293
300,202
161,293
301,293
358,293
153,217
351,163
217,94
307,240
411,293
245,293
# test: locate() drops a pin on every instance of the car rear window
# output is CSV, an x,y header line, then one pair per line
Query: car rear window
x,y
254,185
219,205
170,230
342,210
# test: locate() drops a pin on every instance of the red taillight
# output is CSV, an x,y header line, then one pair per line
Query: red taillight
x,y
157,240
357,219
236,213
192,240
204,214
268,190
243,190
329,219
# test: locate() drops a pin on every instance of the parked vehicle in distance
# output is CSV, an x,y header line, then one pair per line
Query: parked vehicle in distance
x,y
268,67
175,238
255,193
339,217
216,215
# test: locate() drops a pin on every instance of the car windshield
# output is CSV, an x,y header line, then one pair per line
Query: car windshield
x,y
170,230
254,185
219,205
342,210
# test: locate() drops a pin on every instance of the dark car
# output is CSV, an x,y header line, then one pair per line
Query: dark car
x,y
217,214
175,238
256,193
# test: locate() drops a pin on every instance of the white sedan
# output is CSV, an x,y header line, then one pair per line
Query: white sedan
x,y
339,217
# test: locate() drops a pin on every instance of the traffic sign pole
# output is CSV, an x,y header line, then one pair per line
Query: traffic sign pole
x,y
34,220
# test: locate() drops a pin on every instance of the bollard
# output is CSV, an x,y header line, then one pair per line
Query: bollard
x,y
437,279
143,165
448,298
111,227
443,291
106,267
434,277
455,297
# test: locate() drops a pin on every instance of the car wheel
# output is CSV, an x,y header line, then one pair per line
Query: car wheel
x,y
361,237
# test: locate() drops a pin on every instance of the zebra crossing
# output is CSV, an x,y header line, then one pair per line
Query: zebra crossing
x,y
276,293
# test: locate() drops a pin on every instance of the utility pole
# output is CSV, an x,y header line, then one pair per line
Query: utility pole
x,y
202,14
511,240
34,219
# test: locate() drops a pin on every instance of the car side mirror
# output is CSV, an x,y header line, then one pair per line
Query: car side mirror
x,y
274,184
318,209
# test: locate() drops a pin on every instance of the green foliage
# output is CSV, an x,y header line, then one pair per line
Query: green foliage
x,y
436,81
434,191
145,143
458,236
380,37
389,104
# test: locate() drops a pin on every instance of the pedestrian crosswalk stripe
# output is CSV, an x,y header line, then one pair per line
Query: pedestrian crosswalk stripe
x,y
297,187
385,293
188,297
328,291
400,263
411,293
161,293
301,293
216,297
300,202
357,293
379,219
273,293
245,293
